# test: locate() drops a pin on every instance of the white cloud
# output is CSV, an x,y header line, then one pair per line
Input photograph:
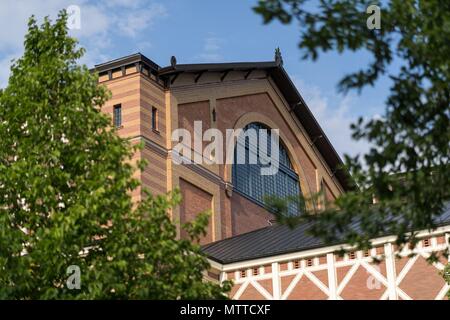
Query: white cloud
x,y
124,3
211,49
334,114
95,22
101,23
137,20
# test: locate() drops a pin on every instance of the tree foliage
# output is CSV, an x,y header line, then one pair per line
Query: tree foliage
x,y
65,184
407,169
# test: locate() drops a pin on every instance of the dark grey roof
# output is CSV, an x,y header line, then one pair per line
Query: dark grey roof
x,y
276,240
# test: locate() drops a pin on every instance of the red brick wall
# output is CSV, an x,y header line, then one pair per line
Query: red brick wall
x,y
238,214
190,112
138,95
152,96
229,110
154,176
329,196
195,200
125,91
247,216
307,290
362,285
422,282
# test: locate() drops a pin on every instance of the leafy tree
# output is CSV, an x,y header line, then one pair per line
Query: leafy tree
x,y
65,184
407,169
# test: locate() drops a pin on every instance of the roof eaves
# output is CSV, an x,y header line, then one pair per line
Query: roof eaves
x,y
127,60
215,67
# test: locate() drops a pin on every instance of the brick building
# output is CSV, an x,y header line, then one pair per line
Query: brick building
x,y
265,261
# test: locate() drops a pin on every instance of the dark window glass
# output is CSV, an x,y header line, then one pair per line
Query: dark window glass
x,y
154,118
247,178
117,115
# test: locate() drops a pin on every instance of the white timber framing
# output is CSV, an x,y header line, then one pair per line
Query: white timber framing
x,y
333,290
390,271
332,278
276,281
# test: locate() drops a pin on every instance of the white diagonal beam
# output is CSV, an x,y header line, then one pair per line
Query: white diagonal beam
x,y
241,290
292,285
347,278
261,290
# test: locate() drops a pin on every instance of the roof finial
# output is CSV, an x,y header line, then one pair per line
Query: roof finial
x,y
173,61
278,57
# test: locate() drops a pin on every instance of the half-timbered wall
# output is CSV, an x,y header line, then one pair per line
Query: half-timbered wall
x,y
322,274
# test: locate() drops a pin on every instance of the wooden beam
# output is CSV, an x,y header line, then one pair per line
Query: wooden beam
x,y
332,277
197,77
174,78
138,67
224,74
390,271
276,285
293,106
248,73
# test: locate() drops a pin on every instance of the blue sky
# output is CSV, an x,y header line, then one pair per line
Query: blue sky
x,y
204,31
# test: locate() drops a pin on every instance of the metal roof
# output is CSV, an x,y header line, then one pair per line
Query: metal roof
x,y
275,240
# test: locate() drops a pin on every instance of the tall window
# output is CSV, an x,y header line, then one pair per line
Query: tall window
x,y
154,119
117,116
248,181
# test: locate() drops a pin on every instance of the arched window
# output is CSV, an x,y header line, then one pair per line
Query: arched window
x,y
249,182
